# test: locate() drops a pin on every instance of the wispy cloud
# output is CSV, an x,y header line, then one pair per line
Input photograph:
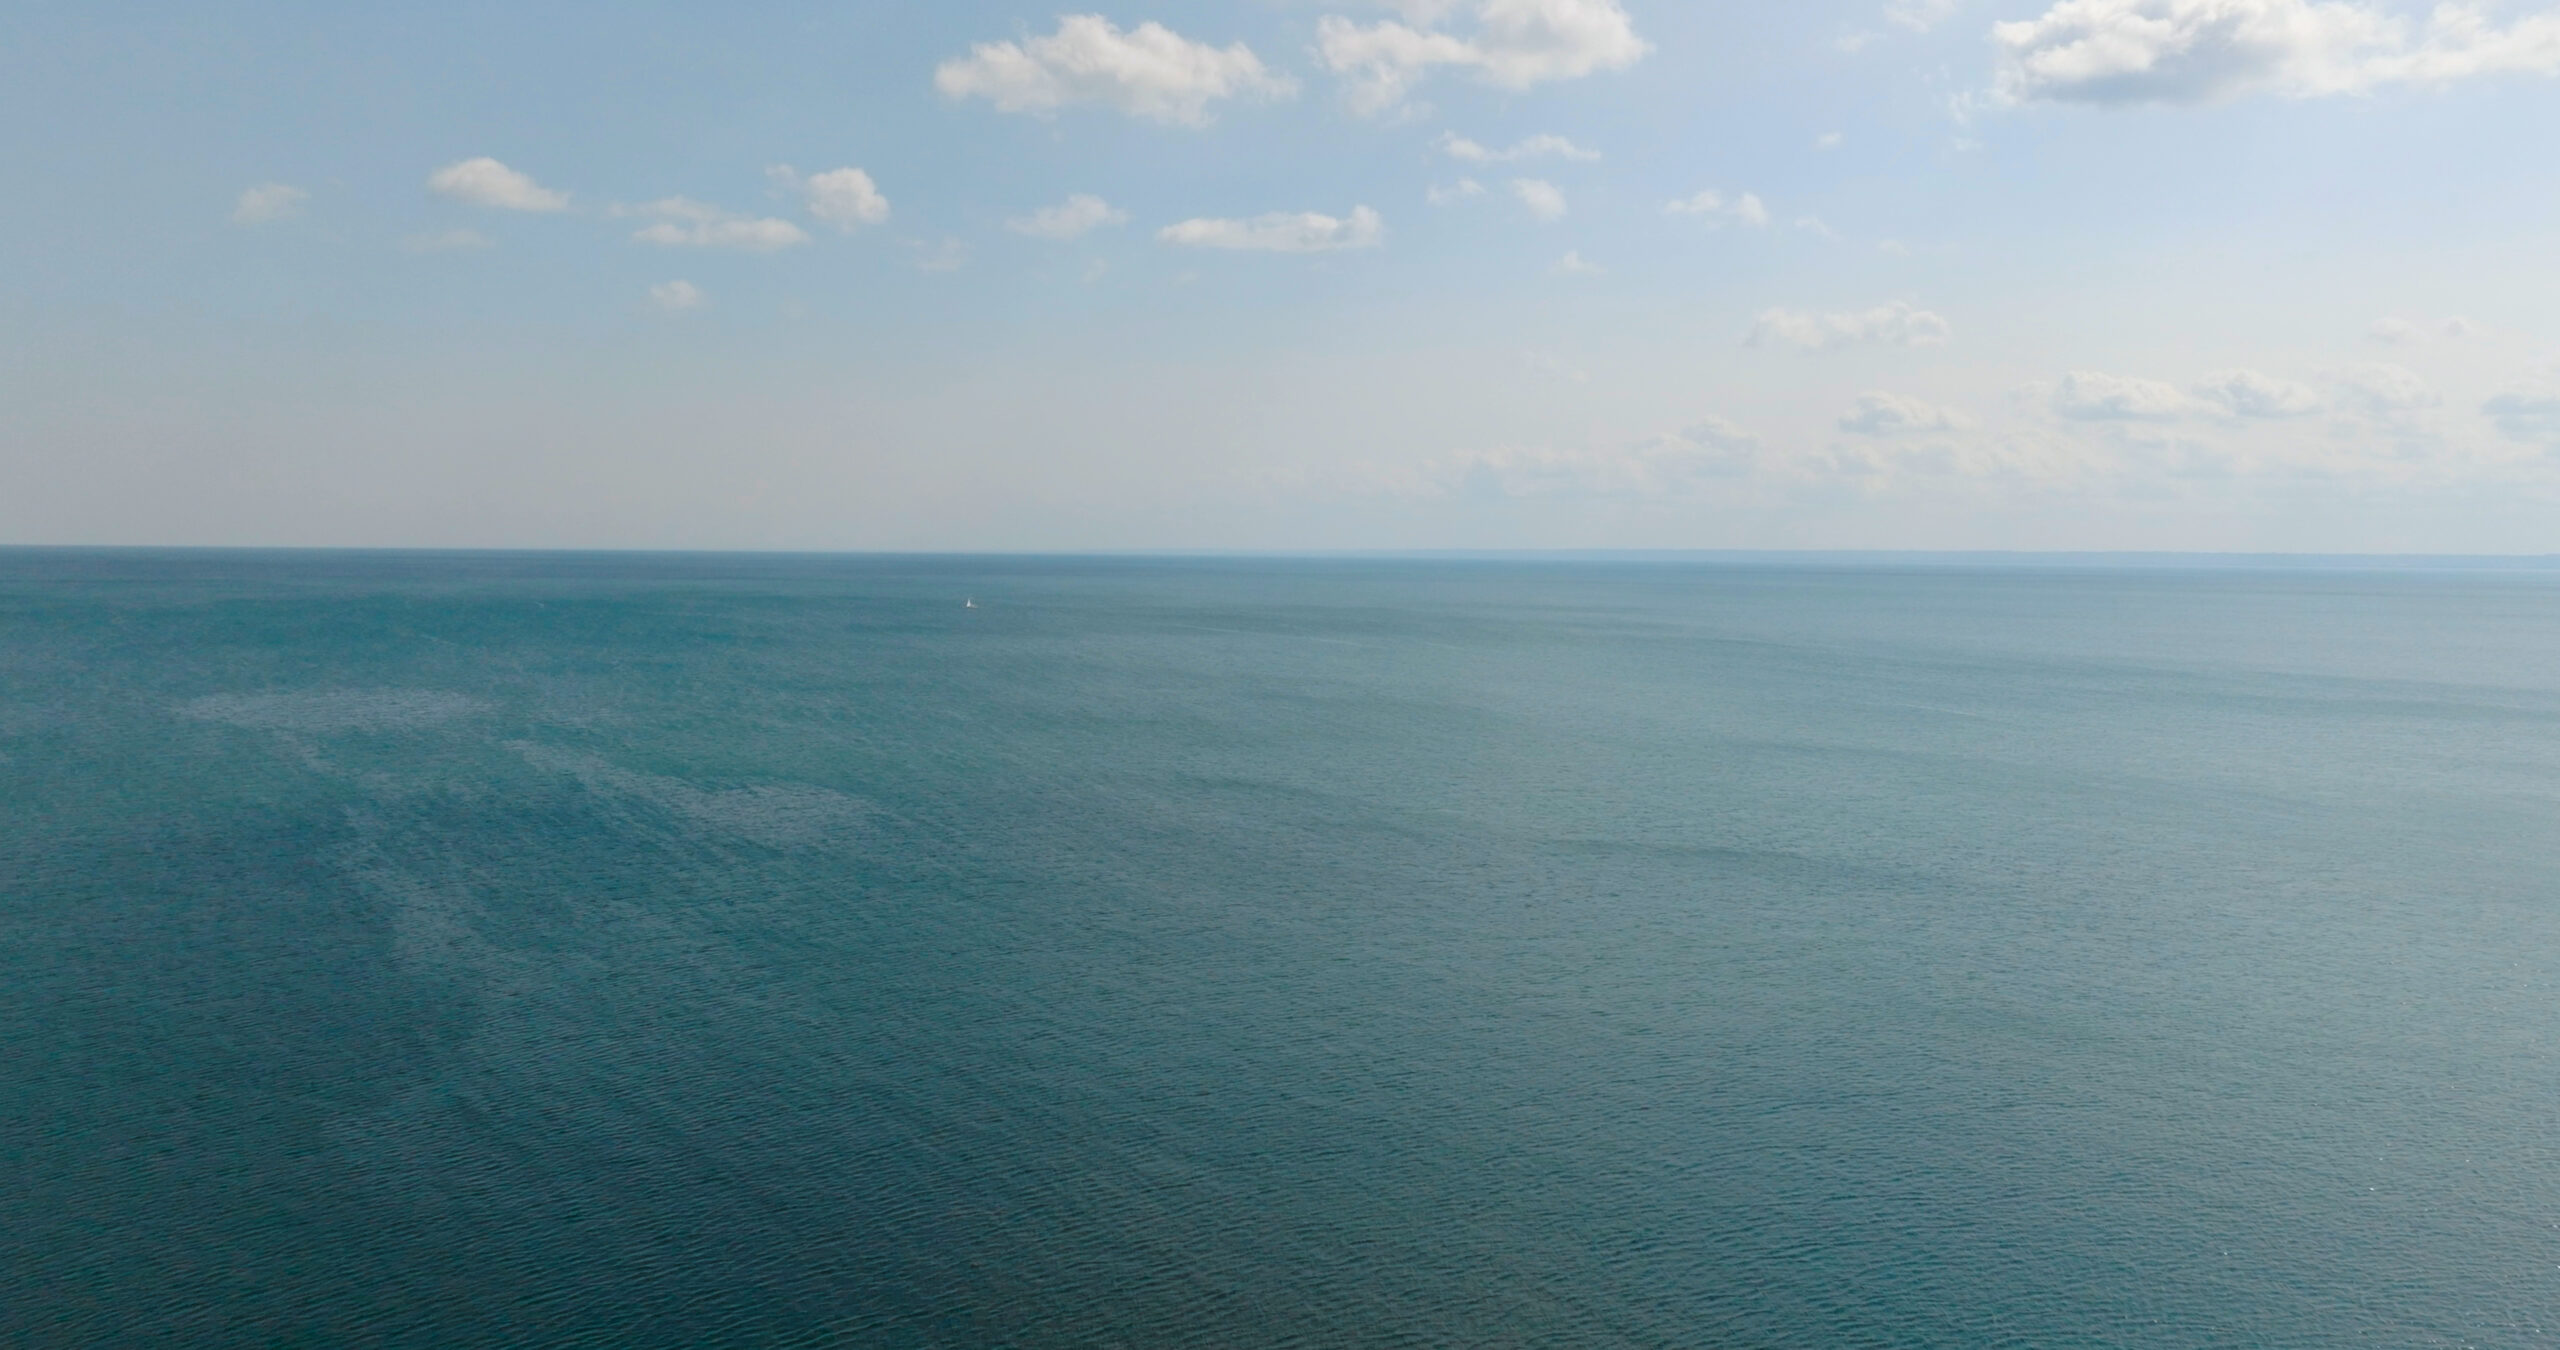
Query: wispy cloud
x,y
2250,393
1921,15
1898,324
2387,390
2530,415
1715,209
1077,216
1459,147
268,203
677,297
1544,199
2397,332
1281,232
2093,396
1877,413
1709,452
682,222
447,241
948,254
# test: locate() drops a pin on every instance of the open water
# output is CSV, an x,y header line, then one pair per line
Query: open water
x,y
626,951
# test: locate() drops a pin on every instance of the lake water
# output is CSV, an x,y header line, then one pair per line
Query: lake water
x,y
418,950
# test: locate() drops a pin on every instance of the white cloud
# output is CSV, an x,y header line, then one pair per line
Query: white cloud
x,y
683,222
2388,390
1456,146
486,182
1712,451
2090,396
1894,325
1712,206
1544,199
1282,232
1816,226
2247,393
1514,44
1829,140
677,297
1382,62
449,241
1077,216
2528,415
268,202
1457,192
1572,264
844,198
1877,413
1149,71
1894,248
2197,51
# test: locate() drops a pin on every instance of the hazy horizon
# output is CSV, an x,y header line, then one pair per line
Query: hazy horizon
x,y
2096,558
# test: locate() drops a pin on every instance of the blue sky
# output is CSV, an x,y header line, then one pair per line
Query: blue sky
x,y
2175,274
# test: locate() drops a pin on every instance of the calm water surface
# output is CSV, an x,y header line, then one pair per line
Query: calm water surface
x,y
453,950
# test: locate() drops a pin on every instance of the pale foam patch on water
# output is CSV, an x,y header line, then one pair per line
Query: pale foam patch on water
x,y
333,710
433,921
410,1144
489,1141
778,815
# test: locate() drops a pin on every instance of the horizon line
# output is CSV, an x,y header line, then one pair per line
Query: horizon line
x,y
2190,557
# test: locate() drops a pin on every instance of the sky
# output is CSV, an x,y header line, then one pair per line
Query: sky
x,y
2220,275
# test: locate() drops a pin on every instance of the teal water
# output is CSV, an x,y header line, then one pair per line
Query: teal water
x,y
547,951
